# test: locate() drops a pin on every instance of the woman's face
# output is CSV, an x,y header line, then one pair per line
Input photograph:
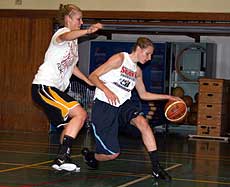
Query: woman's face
x,y
75,21
144,55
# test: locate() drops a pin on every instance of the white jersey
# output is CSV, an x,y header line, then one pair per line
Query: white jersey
x,y
59,62
120,81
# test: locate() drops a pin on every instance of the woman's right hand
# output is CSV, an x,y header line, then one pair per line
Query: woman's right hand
x,y
112,97
95,27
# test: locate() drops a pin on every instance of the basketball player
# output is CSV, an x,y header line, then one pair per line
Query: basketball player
x,y
112,107
53,78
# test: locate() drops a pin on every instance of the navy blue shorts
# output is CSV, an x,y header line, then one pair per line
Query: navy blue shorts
x,y
106,120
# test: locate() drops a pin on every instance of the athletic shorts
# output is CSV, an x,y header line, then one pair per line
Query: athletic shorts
x,y
106,120
55,103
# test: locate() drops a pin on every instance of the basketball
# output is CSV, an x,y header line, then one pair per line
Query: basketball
x,y
175,111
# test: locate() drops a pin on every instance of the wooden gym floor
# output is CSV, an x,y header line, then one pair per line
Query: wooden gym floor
x,y
25,160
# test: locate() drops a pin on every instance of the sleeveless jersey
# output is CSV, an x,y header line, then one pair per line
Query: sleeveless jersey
x,y
120,81
59,62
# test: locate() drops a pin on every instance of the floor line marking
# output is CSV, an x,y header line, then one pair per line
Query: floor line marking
x,y
142,161
11,164
135,181
25,166
27,152
30,165
147,177
202,181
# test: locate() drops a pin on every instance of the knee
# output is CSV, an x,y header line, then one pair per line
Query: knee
x,y
114,156
103,157
142,124
83,115
80,114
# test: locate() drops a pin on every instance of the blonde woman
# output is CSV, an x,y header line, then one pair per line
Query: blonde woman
x,y
53,78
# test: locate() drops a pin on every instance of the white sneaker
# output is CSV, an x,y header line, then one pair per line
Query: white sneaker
x,y
65,164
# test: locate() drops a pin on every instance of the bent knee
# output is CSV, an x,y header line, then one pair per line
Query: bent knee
x,y
79,113
142,124
83,115
140,120
104,157
114,156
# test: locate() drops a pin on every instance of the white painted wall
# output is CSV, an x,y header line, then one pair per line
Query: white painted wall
x,y
126,5
223,55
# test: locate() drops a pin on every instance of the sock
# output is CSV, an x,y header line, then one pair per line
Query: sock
x,y
66,145
154,158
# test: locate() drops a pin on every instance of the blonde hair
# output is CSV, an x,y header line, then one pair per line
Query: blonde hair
x,y
143,43
67,10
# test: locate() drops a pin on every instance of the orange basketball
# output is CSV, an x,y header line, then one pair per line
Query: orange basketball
x,y
175,111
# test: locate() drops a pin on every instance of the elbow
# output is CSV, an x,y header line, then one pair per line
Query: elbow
x,y
143,96
90,77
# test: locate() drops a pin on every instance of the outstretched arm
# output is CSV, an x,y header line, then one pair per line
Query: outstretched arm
x,y
73,34
145,95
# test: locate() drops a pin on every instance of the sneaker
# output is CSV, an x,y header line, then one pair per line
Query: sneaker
x,y
89,158
65,163
159,173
